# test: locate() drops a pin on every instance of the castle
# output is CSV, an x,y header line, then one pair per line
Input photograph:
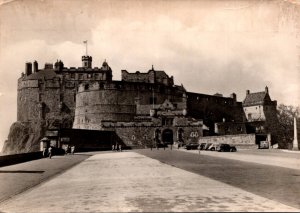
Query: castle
x,y
143,109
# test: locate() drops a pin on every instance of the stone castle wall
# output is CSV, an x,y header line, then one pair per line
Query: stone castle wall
x,y
214,109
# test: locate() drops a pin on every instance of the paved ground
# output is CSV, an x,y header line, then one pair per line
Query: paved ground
x,y
17,178
272,182
128,181
273,157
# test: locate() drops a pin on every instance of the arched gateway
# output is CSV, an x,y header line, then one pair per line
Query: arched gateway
x,y
167,136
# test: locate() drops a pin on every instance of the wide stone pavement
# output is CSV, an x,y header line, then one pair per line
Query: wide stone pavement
x,y
127,181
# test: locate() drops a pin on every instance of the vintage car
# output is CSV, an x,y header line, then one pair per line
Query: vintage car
x,y
223,147
190,146
213,147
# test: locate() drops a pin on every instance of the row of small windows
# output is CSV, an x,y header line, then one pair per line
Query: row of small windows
x,y
238,128
213,99
88,76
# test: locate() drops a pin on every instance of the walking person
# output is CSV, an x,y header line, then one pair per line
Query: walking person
x,y
50,152
66,149
44,152
72,149
113,147
120,148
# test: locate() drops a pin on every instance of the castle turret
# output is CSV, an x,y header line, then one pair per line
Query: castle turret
x,y
266,90
108,72
86,61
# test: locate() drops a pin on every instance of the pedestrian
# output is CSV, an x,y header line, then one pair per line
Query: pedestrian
x,y
120,148
66,149
50,152
44,152
72,149
117,147
113,147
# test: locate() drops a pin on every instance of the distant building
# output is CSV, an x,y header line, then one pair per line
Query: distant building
x,y
261,115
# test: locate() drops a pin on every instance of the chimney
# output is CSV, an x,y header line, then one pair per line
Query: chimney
x,y
233,96
247,92
35,66
28,68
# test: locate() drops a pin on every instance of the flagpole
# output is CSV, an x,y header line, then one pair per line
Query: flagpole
x,y
86,49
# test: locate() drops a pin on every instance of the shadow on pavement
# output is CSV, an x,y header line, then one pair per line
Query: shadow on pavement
x,y
20,171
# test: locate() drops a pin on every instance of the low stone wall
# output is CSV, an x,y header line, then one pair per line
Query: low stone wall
x,y
242,141
6,160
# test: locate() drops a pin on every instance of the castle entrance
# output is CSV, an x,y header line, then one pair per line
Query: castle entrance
x,y
167,136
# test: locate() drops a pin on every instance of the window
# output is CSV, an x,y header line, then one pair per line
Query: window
x,y
167,121
249,116
152,100
40,97
61,97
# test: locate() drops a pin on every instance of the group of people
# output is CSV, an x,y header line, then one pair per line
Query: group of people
x,y
48,152
117,147
69,149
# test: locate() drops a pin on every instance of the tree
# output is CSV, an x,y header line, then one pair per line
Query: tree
x,y
286,116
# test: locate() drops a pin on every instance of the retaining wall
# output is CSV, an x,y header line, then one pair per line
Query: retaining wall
x,y
242,141
6,160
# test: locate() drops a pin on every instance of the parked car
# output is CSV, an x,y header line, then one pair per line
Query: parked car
x,y
192,146
207,145
213,147
223,147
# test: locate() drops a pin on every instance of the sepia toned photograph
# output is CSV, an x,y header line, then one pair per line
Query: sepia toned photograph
x,y
149,106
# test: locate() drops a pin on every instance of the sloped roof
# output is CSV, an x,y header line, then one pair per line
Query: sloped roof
x,y
161,74
256,98
42,74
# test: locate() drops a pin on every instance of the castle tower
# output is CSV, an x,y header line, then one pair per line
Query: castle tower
x,y
86,61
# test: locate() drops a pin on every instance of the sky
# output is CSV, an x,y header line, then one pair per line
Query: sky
x,y
209,46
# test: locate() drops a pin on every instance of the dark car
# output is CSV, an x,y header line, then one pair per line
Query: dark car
x,y
192,146
223,147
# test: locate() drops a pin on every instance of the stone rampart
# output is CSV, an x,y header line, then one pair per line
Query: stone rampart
x,y
143,136
242,141
116,101
6,160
